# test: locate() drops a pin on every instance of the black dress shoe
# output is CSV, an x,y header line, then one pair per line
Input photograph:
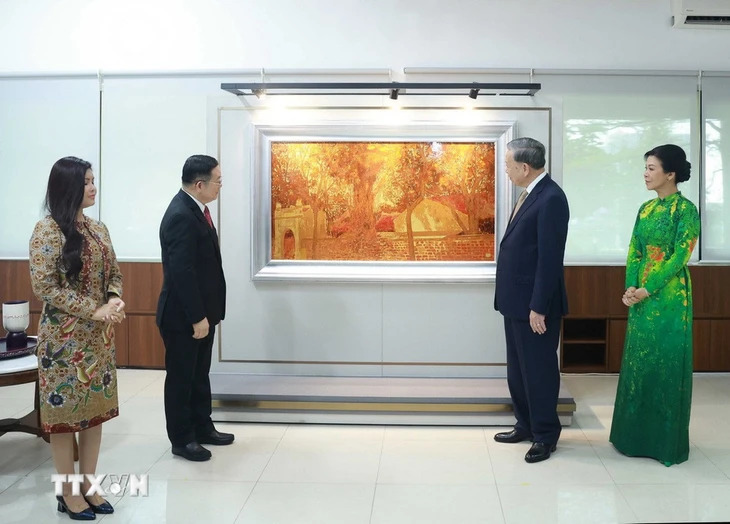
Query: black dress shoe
x,y
85,514
510,437
539,452
192,451
216,438
104,508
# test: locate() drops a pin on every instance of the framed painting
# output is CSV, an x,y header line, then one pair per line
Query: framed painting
x,y
358,202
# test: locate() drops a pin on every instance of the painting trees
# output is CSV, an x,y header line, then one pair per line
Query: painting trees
x,y
357,164
350,191
304,172
414,176
468,170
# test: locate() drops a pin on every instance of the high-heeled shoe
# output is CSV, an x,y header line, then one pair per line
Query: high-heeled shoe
x,y
103,508
85,514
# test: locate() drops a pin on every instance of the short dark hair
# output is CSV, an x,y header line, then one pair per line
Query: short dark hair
x,y
198,167
529,151
673,159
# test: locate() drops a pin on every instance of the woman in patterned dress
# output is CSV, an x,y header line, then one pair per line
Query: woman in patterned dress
x,y
74,272
651,415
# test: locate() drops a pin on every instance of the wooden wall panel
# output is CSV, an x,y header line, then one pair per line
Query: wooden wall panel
x,y
702,345
720,345
616,338
15,283
593,292
587,291
121,343
35,318
616,284
711,295
711,291
142,284
146,348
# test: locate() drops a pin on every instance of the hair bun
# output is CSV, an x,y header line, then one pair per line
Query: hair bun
x,y
684,174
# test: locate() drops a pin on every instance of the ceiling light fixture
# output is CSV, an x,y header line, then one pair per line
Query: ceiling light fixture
x,y
391,89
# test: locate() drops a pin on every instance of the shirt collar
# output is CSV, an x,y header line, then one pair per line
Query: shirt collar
x,y
535,182
200,204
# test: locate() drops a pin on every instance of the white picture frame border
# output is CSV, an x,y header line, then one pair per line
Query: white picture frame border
x,y
263,268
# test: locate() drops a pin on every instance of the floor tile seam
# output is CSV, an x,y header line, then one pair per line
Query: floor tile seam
x,y
501,503
678,482
664,484
491,461
248,497
439,483
154,462
560,484
432,484
626,500
16,481
112,432
709,459
162,455
268,461
159,395
30,472
444,441
317,483
295,481
603,462
377,473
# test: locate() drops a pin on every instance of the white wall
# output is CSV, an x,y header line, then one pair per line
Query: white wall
x,y
44,35
390,329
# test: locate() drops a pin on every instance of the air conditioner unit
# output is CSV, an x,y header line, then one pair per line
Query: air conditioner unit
x,y
704,14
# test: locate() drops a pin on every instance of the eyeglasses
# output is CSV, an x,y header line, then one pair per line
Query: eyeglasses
x,y
216,182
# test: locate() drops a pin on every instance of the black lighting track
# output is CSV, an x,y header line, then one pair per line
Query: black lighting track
x,y
471,89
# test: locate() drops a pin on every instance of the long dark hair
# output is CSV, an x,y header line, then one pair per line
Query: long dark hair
x,y
64,196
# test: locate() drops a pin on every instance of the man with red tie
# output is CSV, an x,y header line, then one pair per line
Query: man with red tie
x,y
192,302
530,294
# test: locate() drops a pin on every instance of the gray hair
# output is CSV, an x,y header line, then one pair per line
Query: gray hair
x,y
529,151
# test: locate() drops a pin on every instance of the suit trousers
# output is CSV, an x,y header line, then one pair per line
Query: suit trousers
x,y
187,385
533,378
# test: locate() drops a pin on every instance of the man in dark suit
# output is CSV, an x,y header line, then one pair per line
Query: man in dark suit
x,y
530,294
192,302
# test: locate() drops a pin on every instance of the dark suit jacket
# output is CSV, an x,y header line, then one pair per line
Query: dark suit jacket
x,y
194,286
530,265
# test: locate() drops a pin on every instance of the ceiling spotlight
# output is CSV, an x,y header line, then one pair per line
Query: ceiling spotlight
x,y
473,93
260,93
394,94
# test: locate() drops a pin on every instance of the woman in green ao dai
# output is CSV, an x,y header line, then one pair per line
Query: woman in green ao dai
x,y
651,414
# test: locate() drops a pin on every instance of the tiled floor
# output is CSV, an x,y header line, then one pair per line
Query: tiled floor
x,y
375,474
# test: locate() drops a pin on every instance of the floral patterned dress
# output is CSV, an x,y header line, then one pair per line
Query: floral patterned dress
x,y
651,414
76,357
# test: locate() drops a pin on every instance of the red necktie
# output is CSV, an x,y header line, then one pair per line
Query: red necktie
x,y
206,212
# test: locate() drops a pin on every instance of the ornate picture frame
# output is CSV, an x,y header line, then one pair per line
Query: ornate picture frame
x,y
278,255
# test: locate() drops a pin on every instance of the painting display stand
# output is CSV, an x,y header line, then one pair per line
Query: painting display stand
x,y
369,400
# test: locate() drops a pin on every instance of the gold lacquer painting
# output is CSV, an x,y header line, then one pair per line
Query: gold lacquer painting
x,y
383,201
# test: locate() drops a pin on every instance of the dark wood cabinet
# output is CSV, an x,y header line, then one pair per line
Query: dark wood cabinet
x,y
616,337
594,331
702,344
137,339
584,344
146,348
720,345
